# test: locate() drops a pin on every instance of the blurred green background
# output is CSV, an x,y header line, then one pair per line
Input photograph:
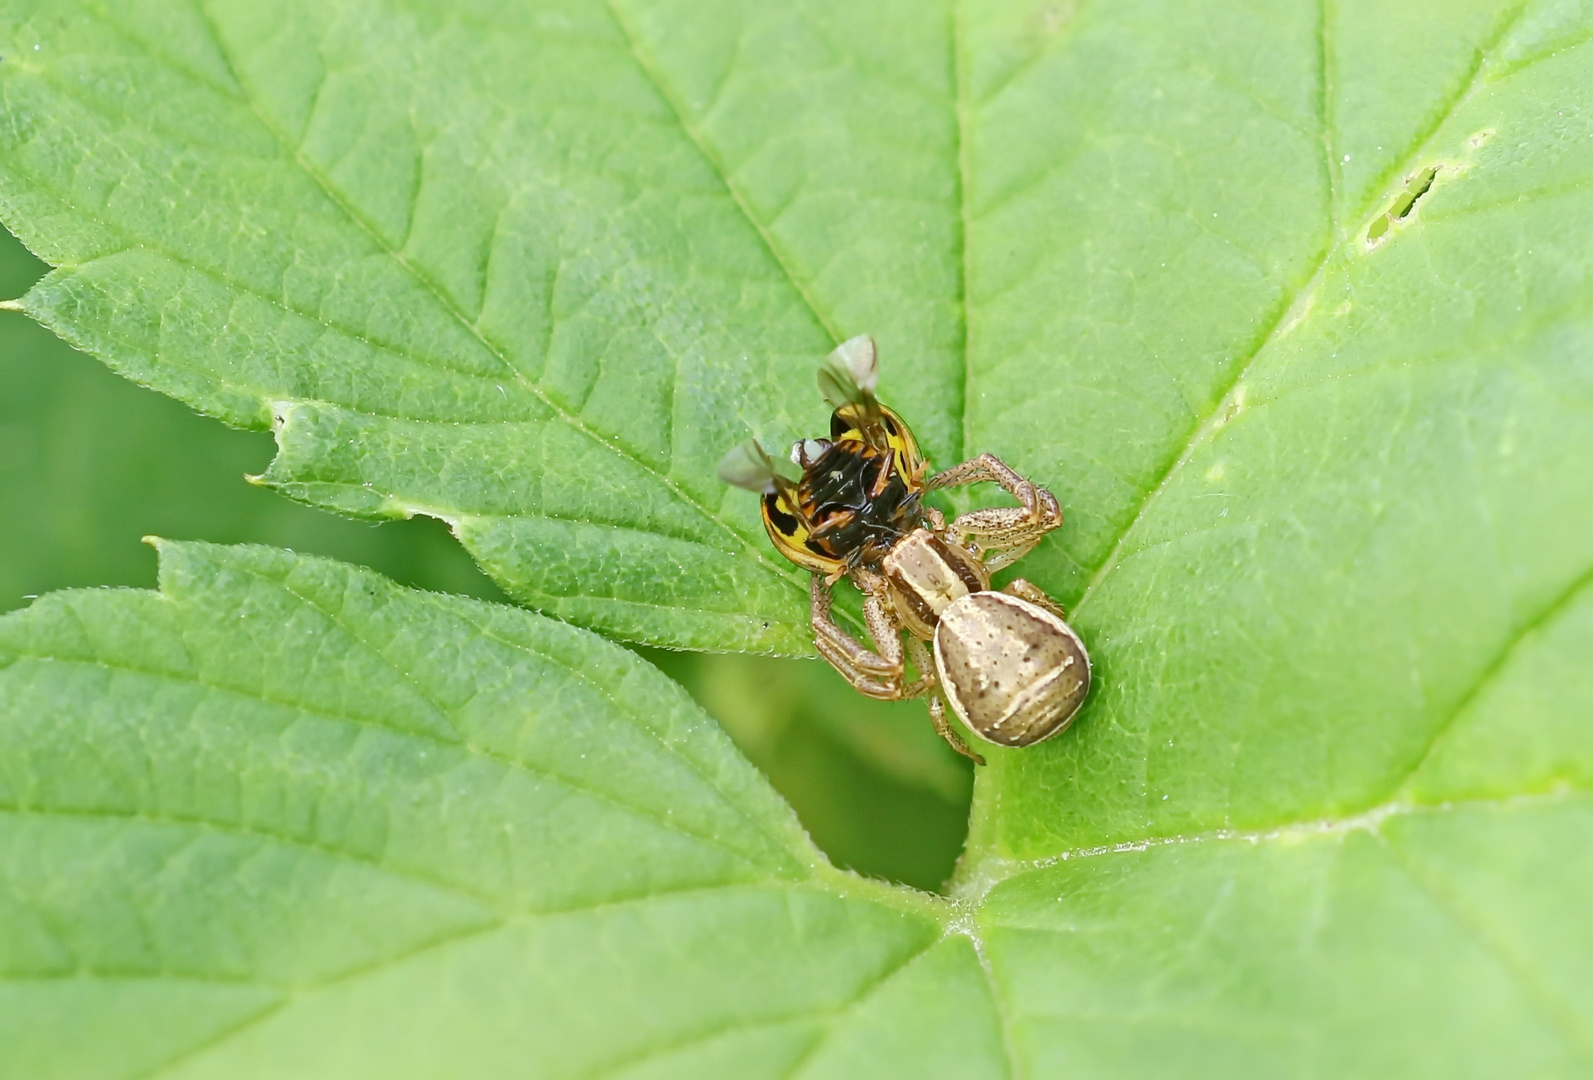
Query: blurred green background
x,y
90,463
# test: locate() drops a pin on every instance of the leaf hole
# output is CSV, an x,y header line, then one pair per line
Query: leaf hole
x,y
1403,205
1232,407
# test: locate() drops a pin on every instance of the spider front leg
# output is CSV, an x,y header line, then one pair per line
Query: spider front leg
x,y
1005,534
880,674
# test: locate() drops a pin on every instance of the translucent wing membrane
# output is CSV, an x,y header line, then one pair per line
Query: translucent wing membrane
x,y
748,466
850,374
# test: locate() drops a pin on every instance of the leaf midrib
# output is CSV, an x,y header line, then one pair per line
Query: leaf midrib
x,y
997,872
715,165
255,832
959,75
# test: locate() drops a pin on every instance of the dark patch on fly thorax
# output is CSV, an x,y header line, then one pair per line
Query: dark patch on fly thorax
x,y
858,501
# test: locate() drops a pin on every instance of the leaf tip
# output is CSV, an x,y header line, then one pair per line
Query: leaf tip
x,y
163,555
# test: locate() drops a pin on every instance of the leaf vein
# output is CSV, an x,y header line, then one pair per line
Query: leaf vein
x,y
424,280
1009,1051
1560,1016
959,82
1370,820
384,963
831,1016
246,829
691,131
1205,428
536,772
1507,650
638,722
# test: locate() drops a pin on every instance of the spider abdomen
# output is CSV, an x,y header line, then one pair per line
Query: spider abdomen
x,y
1012,671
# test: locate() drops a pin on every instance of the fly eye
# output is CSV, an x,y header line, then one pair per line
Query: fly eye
x,y
805,452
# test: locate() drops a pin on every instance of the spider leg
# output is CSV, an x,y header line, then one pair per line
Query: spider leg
x,y
919,654
1006,533
877,674
937,713
1025,590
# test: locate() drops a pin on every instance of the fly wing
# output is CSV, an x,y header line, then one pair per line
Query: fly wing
x,y
850,374
847,379
747,466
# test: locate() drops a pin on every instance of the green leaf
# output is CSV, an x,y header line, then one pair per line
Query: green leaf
x,y
1291,304
410,294
90,463
282,812
285,818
